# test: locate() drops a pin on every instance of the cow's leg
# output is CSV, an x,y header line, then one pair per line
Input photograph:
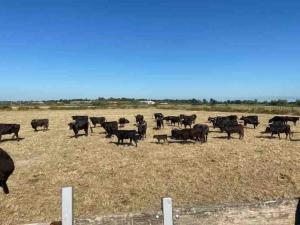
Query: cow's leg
x,y
17,135
228,135
0,137
118,141
279,135
135,141
4,186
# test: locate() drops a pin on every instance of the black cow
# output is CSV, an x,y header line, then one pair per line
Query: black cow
x,y
123,121
139,118
9,129
230,129
7,167
178,134
174,120
80,117
185,134
204,128
250,120
222,122
158,115
97,120
126,134
40,123
159,122
142,129
187,121
278,128
167,118
110,127
279,119
212,119
293,119
191,118
80,124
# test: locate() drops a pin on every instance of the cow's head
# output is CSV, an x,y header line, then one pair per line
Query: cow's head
x,y
71,125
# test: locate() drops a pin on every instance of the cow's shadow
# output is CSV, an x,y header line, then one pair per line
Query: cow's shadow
x,y
274,137
11,139
181,142
265,137
249,128
214,131
295,139
123,144
155,128
78,135
160,143
225,137
41,130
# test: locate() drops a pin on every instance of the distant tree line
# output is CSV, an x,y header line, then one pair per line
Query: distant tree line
x,y
104,101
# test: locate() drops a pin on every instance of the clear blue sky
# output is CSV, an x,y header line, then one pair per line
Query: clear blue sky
x,y
150,49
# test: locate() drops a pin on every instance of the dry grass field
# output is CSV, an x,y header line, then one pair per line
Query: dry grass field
x,y
108,178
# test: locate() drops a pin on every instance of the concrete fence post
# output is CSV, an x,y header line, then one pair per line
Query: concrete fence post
x,y
67,206
167,211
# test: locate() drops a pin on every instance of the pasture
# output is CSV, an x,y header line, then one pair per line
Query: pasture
x,y
108,178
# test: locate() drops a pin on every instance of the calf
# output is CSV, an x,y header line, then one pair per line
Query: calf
x,y
279,128
250,120
123,121
142,129
234,129
163,137
80,125
7,167
40,123
110,127
9,129
204,128
97,120
126,134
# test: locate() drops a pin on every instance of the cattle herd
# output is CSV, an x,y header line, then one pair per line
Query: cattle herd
x,y
191,131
